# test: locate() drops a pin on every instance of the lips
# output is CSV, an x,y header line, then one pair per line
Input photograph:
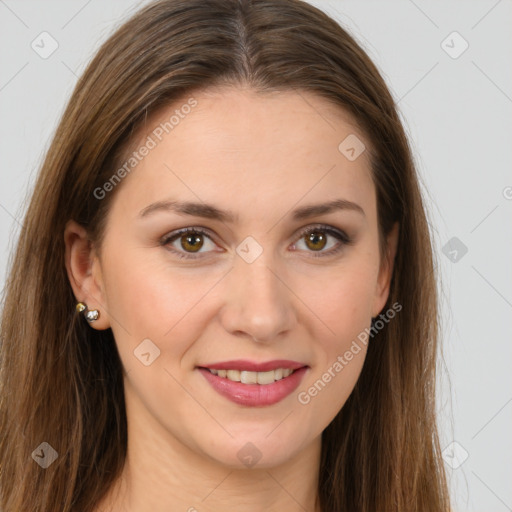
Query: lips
x,y
252,366
254,384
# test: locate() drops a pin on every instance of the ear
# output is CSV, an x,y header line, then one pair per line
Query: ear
x,y
386,271
84,272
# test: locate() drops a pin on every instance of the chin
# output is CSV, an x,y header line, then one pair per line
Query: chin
x,y
256,451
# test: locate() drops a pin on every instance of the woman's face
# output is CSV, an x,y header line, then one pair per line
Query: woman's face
x,y
261,282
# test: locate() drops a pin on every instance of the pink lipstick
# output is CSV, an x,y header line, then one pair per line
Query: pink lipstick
x,y
254,384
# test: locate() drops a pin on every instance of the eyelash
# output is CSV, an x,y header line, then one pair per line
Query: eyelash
x,y
343,238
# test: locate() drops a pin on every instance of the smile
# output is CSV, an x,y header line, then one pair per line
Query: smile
x,y
254,384
246,377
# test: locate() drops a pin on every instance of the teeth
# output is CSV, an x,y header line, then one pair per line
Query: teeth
x,y
254,377
249,377
265,377
233,375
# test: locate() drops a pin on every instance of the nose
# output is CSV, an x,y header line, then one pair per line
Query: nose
x,y
259,304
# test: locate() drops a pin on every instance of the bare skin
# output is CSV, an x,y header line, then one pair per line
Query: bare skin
x,y
261,157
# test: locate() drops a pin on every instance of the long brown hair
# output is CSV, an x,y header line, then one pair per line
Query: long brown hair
x,y
62,382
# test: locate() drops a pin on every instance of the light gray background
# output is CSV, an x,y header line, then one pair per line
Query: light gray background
x,y
457,112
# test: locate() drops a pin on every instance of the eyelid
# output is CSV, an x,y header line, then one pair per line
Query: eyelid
x,y
166,239
343,238
190,229
328,229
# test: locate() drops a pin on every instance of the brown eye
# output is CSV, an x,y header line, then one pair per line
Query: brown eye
x,y
191,242
315,240
322,241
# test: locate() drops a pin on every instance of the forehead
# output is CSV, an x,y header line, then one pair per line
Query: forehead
x,y
250,149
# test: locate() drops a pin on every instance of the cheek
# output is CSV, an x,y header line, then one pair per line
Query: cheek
x,y
343,301
150,299
339,356
343,304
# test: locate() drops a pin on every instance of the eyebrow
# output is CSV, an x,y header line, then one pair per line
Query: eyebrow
x,y
210,211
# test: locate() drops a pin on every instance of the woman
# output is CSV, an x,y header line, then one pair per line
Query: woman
x,y
223,295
